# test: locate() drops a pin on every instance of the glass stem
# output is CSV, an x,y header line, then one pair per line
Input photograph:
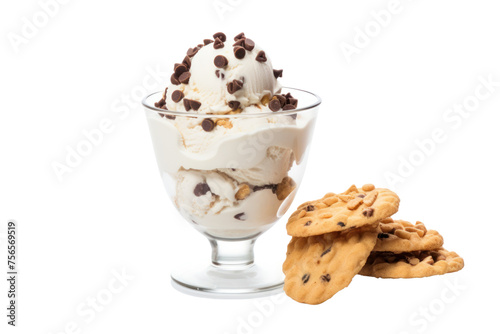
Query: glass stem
x,y
232,254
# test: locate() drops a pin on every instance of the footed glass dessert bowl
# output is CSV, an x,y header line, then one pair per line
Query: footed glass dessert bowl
x,y
232,176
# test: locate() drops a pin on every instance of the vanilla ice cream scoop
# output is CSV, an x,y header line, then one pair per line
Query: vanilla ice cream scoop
x,y
223,76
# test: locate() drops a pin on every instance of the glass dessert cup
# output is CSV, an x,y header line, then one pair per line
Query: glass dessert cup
x,y
232,177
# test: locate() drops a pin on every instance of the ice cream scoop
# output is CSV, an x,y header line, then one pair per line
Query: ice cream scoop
x,y
222,76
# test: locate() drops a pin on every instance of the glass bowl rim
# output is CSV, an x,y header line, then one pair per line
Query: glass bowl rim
x,y
249,115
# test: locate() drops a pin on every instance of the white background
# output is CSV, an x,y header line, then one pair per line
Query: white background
x,y
111,213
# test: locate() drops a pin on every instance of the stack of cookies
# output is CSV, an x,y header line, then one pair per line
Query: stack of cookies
x,y
341,235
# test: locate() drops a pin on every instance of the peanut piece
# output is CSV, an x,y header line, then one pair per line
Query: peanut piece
x,y
243,192
402,234
370,198
368,187
354,203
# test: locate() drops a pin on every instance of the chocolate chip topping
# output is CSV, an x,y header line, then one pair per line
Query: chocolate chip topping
x,y
160,103
282,99
308,223
293,102
233,105
305,278
218,74
187,104
234,86
239,42
207,124
274,105
239,52
241,35
191,52
383,236
278,73
325,278
248,44
361,196
195,105
326,251
288,107
179,69
218,44
261,56
207,41
201,189
310,208
184,77
240,216
174,80
220,61
177,95
368,212
220,35
341,224
187,61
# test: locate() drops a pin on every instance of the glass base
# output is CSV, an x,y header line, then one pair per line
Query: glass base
x,y
212,281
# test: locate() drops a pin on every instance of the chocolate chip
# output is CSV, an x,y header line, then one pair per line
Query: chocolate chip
x,y
282,99
207,41
240,216
325,278
218,74
368,212
261,56
207,124
195,105
278,73
234,105
310,208
305,278
383,236
274,105
187,104
239,52
239,42
177,95
187,61
293,102
248,44
220,35
341,224
160,103
361,196
199,46
179,69
174,80
241,35
273,187
218,44
220,61
191,52
234,86
293,116
201,189
184,77
326,251
308,223
170,116
288,107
